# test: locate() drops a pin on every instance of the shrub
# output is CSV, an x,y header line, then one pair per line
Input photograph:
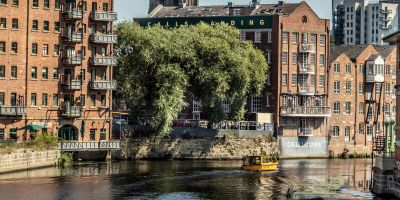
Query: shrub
x,y
65,160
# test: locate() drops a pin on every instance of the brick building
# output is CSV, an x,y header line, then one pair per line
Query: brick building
x,y
362,96
56,68
296,44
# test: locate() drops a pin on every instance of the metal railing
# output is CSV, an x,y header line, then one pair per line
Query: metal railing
x,y
306,68
103,85
72,37
104,16
305,48
103,38
73,59
89,146
73,13
305,111
13,110
103,60
243,125
307,89
305,131
72,111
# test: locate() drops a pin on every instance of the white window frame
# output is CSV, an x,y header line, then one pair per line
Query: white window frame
x,y
257,37
255,104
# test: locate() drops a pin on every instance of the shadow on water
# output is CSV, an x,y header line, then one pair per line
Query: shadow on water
x,y
192,180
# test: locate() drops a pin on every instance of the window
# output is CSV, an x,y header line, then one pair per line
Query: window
x,y
45,73
347,108
34,73
321,59
55,73
387,70
2,71
361,107
322,40
386,109
15,2
56,49
236,12
348,87
336,87
347,133
362,69
57,4
35,25
284,79
14,24
285,37
295,38
1,134
361,89
46,49
242,33
46,3
92,134
284,57
44,99
103,100
361,128
377,128
3,23
34,48
269,36
14,47
257,37
321,80
294,79
105,6
2,47
35,3
82,100
3,1
14,72
1,98
103,75
33,99
46,27
269,56
312,39
92,100
226,106
57,27
55,100
369,114
336,108
255,104
103,134
387,89
335,131
294,58
348,68
378,89
312,80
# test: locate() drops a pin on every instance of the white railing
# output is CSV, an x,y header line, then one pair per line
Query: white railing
x,y
306,68
104,16
87,146
306,111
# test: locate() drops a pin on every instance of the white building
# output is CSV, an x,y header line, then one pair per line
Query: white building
x,y
364,21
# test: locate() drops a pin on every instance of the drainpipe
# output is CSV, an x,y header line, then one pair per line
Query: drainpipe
x,y
387,125
392,138
27,63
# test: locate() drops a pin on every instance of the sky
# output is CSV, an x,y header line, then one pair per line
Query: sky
x,y
128,9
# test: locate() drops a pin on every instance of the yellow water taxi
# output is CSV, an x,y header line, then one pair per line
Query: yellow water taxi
x,y
259,163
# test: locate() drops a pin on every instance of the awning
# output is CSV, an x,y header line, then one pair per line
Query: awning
x,y
31,127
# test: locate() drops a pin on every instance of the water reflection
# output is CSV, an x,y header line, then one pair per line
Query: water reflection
x,y
191,180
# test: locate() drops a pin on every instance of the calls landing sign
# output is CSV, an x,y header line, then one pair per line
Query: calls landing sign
x,y
240,22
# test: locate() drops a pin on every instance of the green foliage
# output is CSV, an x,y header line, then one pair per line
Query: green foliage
x,y
65,160
160,69
45,141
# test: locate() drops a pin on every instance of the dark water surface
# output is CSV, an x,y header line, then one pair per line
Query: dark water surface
x,y
191,180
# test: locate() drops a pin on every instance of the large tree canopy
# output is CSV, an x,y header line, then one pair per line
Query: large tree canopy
x,y
159,69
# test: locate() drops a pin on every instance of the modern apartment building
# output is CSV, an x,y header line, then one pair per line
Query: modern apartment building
x,y
296,45
364,21
362,81
56,61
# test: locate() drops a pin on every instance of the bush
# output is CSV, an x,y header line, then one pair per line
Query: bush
x,y
45,141
65,160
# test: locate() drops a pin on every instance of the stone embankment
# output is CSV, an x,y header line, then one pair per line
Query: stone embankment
x,y
26,159
211,148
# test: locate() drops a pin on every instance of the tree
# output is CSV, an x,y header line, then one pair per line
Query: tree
x,y
161,68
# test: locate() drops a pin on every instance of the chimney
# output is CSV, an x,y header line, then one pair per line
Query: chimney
x,y
255,2
281,3
230,4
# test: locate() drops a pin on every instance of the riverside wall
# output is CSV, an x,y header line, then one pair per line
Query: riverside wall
x,y
209,148
26,159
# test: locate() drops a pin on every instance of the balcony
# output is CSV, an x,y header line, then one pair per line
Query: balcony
x,y
305,131
103,38
386,11
304,111
72,14
71,112
73,59
304,90
306,48
103,61
385,19
306,69
103,85
72,37
72,84
13,110
104,16
385,27
374,78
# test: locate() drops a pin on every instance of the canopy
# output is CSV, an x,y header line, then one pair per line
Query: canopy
x,y
31,127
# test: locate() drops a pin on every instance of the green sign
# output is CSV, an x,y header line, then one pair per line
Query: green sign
x,y
240,22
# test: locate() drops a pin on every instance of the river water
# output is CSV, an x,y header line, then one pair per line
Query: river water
x,y
309,178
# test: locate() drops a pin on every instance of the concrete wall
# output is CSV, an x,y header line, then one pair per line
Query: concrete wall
x,y
195,149
25,160
303,147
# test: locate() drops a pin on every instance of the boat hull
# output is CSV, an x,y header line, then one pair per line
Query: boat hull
x,y
264,167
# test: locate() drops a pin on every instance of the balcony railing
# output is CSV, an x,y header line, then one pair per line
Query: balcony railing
x,y
306,69
307,90
71,112
13,110
305,131
306,48
103,60
374,78
72,84
73,14
103,85
104,16
103,38
385,11
385,27
73,59
72,37
305,111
